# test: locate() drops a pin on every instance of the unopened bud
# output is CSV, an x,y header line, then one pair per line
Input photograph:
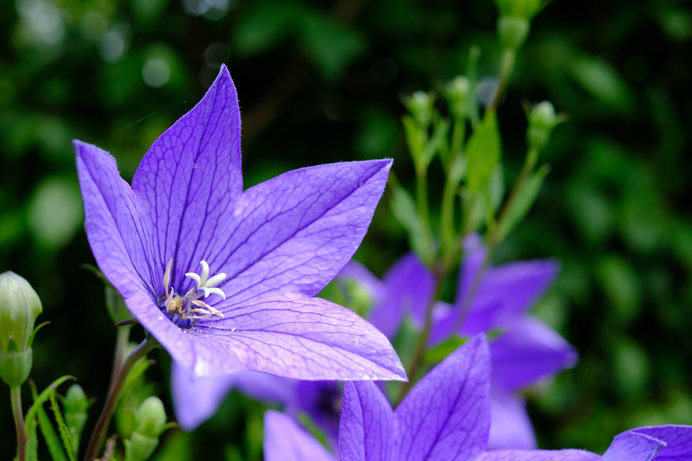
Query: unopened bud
x,y
458,95
421,106
19,307
542,120
75,405
151,417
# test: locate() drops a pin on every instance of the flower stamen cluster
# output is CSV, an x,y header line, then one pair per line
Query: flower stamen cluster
x,y
190,306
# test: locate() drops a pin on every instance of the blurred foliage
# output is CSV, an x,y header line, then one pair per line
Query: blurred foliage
x,y
323,81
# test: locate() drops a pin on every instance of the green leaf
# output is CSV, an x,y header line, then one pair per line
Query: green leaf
x,y
62,428
523,201
483,153
41,399
49,435
435,144
442,350
404,210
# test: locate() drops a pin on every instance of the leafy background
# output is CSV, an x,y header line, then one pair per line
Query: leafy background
x,y
321,82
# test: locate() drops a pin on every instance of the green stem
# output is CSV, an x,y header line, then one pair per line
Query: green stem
x,y
506,68
117,383
16,398
454,172
419,351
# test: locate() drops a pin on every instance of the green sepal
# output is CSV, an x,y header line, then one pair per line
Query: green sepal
x,y
139,447
15,367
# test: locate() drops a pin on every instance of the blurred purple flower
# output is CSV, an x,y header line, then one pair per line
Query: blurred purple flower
x,y
264,253
446,416
525,352
197,399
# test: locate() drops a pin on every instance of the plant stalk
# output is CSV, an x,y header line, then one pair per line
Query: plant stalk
x,y
116,386
16,398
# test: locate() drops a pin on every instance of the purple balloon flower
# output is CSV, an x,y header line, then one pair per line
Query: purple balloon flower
x,y
224,278
197,399
525,352
446,417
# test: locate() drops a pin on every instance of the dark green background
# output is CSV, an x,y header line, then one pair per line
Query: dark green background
x,y
321,82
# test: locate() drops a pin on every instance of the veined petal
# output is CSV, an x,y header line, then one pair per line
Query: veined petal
x,y
293,336
538,455
447,414
527,352
295,232
366,431
633,446
118,234
197,399
678,440
510,426
191,177
285,441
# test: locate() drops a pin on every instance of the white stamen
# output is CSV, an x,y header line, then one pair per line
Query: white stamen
x,y
216,291
215,280
194,277
205,272
167,275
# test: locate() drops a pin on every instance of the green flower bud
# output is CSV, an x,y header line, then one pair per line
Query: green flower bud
x,y
542,120
459,97
421,105
151,417
512,31
140,447
525,9
75,405
19,307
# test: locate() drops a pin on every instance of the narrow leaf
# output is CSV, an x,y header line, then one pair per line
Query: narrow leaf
x,y
40,400
49,435
522,202
62,427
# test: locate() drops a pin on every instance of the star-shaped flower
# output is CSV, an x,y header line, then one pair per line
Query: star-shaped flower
x,y
526,351
446,417
263,253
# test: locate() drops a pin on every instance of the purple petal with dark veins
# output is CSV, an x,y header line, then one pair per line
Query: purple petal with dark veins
x,y
510,426
197,399
447,414
367,424
117,231
633,446
191,177
538,455
293,336
295,232
285,441
678,440
528,351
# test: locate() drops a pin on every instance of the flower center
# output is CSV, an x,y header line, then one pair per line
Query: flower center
x,y
184,311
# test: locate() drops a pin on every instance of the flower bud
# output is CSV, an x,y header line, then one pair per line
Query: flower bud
x,y
542,120
75,405
151,417
19,307
512,31
421,105
458,95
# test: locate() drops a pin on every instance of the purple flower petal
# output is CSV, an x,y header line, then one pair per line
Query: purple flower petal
x,y
633,446
367,424
295,232
410,286
293,336
285,441
527,351
191,177
322,401
510,426
197,399
538,455
359,273
447,414
678,440
117,231
505,291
